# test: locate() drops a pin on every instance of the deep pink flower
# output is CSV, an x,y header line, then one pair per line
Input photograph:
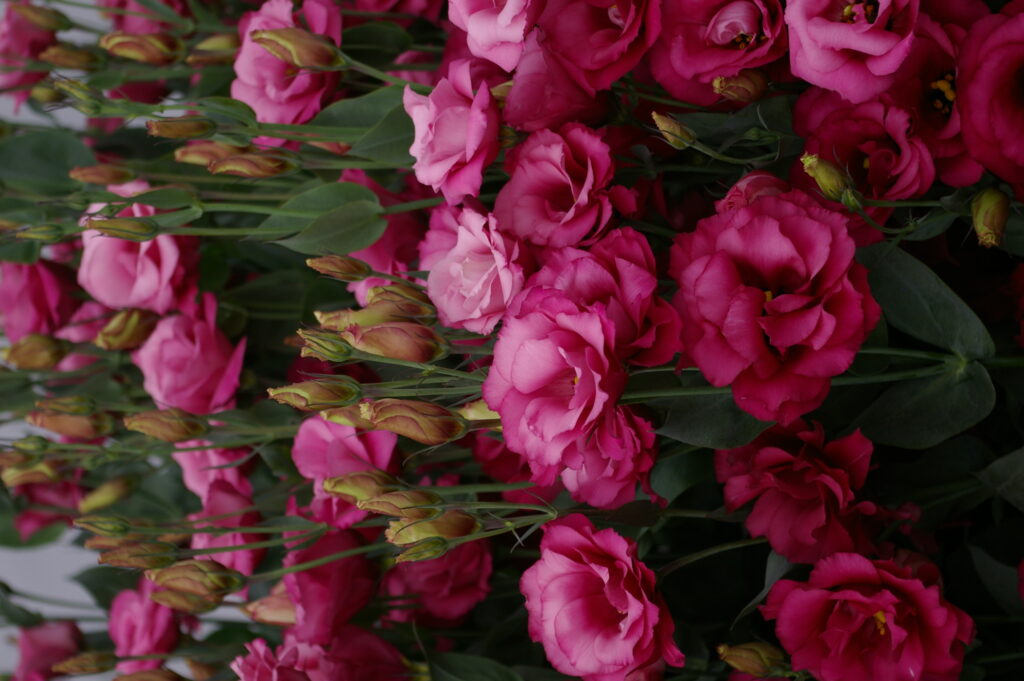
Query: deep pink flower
x,y
456,133
136,18
187,362
593,606
772,302
260,663
42,646
441,591
858,619
64,494
353,655
20,41
750,187
504,465
88,320
36,298
200,468
803,489
229,507
495,30
851,48
140,626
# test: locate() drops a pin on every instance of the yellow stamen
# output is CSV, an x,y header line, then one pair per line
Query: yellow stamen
x,y
880,622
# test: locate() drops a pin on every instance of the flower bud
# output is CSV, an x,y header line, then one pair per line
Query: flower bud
x,y
424,422
198,577
340,267
79,426
407,341
150,675
66,56
275,609
252,165
338,320
182,128
103,525
831,180
102,173
92,662
337,148
143,555
318,395
201,671
360,485
749,85
32,444
324,345
130,229
675,133
477,410
45,93
188,603
219,48
449,525
107,494
126,330
86,99
755,658
298,47
72,404
990,210
101,543
47,234
42,472
413,504
169,425
204,152
156,49
42,17
35,351
412,301
428,549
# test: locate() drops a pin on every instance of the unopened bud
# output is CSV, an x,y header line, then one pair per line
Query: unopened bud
x,y
156,49
103,525
204,152
413,504
72,404
338,148
424,422
130,229
832,181
252,165
428,549
406,341
352,415
749,85
477,410
675,133
192,604
169,425
275,609
202,671
340,267
86,99
42,472
103,173
66,56
325,345
47,234
298,47
990,210
103,543
219,48
35,351
150,675
45,93
755,658
318,395
412,301
338,320
93,662
107,494
360,485
32,444
143,555
183,128
126,330
198,577
78,426
449,525
42,17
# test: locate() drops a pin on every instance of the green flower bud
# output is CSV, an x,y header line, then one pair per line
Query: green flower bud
x,y
990,211
298,47
169,425
318,395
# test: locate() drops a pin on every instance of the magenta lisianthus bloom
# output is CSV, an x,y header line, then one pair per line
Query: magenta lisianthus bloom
x,y
991,58
554,376
749,187
200,468
856,618
36,298
20,41
471,286
140,626
558,193
803,489
188,363
323,450
88,320
134,17
773,303
353,655
495,30
598,41
261,663
229,507
593,605
456,134
704,40
273,88
504,465
443,590
37,496
42,646
852,48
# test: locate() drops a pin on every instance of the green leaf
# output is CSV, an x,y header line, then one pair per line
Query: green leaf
x,y
710,421
13,614
461,667
104,583
38,162
389,140
917,302
923,412
375,43
360,112
166,198
227,110
20,210
347,228
177,218
674,475
999,580
316,202
775,568
9,534
1005,476
932,225
25,252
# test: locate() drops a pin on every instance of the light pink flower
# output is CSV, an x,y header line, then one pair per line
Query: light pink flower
x,y
140,626
36,298
42,646
495,30
228,507
200,468
20,41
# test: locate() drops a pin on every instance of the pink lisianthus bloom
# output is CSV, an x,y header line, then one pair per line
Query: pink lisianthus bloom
x,y
593,605
504,465
773,303
803,489
88,320
187,362
559,193
851,48
456,134
495,30
200,468
62,494
323,450
42,646
140,626
20,41
260,663
704,40
749,187
136,18
36,298
472,285
990,60
856,618
229,507
443,590
273,88
440,237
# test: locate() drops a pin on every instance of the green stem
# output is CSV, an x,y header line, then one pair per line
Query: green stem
x,y
902,204
368,70
1006,657
411,206
414,392
422,366
265,544
483,487
900,352
707,553
310,564
1005,362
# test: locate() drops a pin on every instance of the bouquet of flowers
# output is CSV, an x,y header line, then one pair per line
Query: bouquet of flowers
x,y
524,340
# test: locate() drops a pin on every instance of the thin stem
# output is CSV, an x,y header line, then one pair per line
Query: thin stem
x,y
900,352
267,543
411,206
1006,657
425,368
51,601
902,204
368,70
707,553
1007,362
310,564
